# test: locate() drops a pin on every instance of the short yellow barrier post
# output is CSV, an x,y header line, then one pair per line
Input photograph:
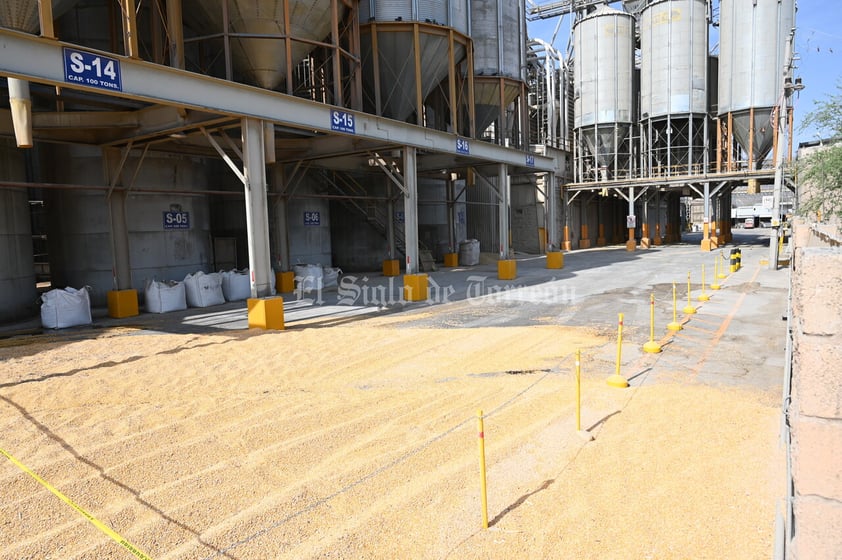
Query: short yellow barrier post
x,y
689,309
675,325
483,493
703,296
618,380
652,347
715,284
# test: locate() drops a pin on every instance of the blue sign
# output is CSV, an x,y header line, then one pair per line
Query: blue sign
x,y
462,146
312,218
92,70
530,160
342,121
176,220
400,217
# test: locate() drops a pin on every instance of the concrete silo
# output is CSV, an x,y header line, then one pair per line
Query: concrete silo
x,y
603,94
408,50
673,87
752,48
498,32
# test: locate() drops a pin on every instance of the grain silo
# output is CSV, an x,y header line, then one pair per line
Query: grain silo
x,y
408,49
673,87
267,37
498,32
752,48
603,93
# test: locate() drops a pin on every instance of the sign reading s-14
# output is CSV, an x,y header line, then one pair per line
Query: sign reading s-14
x,y
94,70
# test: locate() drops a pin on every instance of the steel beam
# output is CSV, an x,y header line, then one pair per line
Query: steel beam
x,y
41,60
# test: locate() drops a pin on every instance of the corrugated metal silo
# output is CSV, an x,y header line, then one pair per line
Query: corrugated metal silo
x,y
673,86
17,270
498,31
752,37
259,52
79,227
395,76
603,99
23,14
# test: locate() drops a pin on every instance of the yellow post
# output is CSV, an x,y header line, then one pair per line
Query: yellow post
x,y
689,309
483,493
578,390
722,274
703,296
618,380
652,347
715,284
675,325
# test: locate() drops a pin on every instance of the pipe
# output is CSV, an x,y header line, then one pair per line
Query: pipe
x,y
21,111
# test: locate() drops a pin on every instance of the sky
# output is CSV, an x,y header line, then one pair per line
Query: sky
x,y
818,48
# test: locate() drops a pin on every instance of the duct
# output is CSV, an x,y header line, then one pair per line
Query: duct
x,y
21,111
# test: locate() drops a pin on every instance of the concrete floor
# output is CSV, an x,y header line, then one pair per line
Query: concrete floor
x,y
736,338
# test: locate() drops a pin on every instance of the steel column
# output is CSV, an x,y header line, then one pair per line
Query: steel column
x,y
410,210
257,214
504,186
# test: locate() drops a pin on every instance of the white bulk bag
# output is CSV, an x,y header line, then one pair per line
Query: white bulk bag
x,y
469,252
236,285
163,297
309,277
204,290
65,308
331,277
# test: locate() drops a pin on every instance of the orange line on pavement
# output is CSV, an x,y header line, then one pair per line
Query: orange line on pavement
x,y
717,336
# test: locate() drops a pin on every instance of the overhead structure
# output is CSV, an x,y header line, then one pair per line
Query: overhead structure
x,y
673,87
603,95
752,39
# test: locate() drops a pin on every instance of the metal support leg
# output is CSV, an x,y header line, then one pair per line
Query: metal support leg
x,y
411,209
257,214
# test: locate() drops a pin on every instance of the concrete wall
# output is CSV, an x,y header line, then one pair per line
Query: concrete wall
x,y
816,409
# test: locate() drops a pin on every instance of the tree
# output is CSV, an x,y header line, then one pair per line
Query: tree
x,y
820,173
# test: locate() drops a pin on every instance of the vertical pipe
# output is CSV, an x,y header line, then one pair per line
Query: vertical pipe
x,y
338,93
288,46
226,41
21,106
411,208
419,97
451,217
257,215
375,59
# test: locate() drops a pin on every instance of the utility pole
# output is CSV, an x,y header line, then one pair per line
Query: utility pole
x,y
788,88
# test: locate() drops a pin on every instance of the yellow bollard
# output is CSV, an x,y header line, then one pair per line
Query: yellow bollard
x,y
483,493
689,309
618,380
722,274
652,347
675,325
715,285
578,390
703,296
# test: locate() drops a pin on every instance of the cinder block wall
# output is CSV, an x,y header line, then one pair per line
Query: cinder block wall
x,y
816,408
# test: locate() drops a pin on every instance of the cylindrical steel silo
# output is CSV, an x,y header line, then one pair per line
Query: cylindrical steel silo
x,y
79,231
498,31
17,269
752,45
397,78
673,86
260,33
603,99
